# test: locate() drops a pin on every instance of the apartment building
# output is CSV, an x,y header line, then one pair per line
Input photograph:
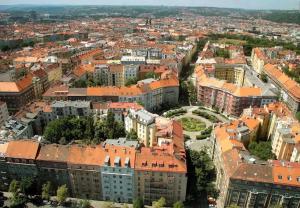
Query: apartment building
x,y
117,173
258,60
230,73
160,171
227,97
17,94
152,94
120,109
21,161
84,171
61,109
143,123
52,165
4,115
247,181
130,72
289,89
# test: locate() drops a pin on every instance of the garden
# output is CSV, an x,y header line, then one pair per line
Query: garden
x,y
192,125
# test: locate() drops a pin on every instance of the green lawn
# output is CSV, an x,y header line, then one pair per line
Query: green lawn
x,y
191,124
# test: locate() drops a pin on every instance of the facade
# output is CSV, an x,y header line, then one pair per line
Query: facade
x,y
21,161
152,95
289,88
116,170
143,123
228,97
244,179
117,174
130,72
230,73
84,171
120,109
3,113
161,171
17,94
52,165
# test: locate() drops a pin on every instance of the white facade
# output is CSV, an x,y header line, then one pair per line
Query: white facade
x,y
117,181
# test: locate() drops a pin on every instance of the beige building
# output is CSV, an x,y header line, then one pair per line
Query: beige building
x,y
232,74
84,171
143,123
161,171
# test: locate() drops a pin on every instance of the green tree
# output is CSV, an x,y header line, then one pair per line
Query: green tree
x,y
150,75
138,203
14,187
178,204
84,204
298,115
132,135
62,194
263,150
222,53
201,175
46,189
17,201
160,203
131,81
28,186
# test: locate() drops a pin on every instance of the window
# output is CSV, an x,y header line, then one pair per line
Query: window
x,y
289,178
298,179
280,177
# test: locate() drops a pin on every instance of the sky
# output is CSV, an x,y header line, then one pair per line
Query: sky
x,y
247,4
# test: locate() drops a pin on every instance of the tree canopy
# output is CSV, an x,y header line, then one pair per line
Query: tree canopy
x,y
160,203
62,194
138,203
201,175
263,150
178,204
83,128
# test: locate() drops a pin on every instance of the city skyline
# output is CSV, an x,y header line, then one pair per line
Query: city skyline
x,y
254,4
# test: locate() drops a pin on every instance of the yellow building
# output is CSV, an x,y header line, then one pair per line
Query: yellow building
x,y
143,123
231,74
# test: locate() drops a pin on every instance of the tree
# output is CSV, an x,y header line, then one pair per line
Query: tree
x,y
263,150
16,200
46,189
62,194
298,115
150,75
178,204
28,186
131,81
201,175
160,203
14,187
138,203
132,135
84,204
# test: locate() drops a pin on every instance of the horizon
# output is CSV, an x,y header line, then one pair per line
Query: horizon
x,y
234,4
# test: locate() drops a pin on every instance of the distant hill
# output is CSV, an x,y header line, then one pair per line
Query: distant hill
x,y
287,16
